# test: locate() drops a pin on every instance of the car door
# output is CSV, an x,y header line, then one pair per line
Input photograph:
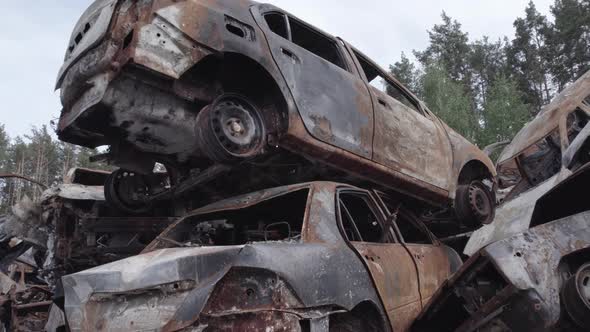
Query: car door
x,y
407,139
431,257
333,101
390,264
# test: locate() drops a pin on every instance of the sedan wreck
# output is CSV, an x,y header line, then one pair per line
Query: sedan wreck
x,y
312,257
250,92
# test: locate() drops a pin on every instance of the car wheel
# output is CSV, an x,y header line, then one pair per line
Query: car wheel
x,y
474,204
126,191
576,297
231,129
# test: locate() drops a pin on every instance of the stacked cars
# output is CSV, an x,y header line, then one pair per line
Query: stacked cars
x,y
529,269
236,96
209,103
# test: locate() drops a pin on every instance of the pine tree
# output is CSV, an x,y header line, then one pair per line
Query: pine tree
x,y
570,40
405,71
529,58
487,61
504,112
4,144
449,47
448,100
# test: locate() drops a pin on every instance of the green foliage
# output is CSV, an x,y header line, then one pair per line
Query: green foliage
x,y
448,100
529,57
569,40
487,90
4,143
448,47
405,72
487,61
39,156
504,112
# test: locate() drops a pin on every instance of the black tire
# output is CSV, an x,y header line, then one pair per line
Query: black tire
x,y
117,190
474,204
231,130
576,297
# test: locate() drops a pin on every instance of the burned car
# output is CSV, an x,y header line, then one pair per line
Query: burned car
x,y
543,154
537,280
320,256
69,229
530,268
249,96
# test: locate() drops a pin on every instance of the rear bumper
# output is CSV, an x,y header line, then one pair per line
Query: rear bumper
x,y
91,29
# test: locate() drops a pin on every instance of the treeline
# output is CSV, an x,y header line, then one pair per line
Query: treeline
x,y
38,156
488,89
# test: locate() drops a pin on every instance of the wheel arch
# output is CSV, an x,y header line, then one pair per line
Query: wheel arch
x,y
369,312
474,169
238,73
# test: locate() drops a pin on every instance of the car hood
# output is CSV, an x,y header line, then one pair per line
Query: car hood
x,y
157,285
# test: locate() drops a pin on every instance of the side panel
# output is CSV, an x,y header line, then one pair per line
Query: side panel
x,y
410,143
394,273
433,267
334,103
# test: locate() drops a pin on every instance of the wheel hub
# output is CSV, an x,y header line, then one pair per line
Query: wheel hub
x,y
480,203
236,126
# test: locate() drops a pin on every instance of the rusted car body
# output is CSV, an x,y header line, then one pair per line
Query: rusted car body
x,y
196,83
69,230
315,257
541,156
533,281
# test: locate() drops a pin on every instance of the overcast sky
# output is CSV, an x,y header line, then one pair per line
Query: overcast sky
x,y
35,34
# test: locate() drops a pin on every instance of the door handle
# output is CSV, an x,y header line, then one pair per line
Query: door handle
x,y
383,102
289,54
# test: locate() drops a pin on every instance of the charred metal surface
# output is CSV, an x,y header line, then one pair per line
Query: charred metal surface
x,y
70,229
230,266
517,283
139,74
539,158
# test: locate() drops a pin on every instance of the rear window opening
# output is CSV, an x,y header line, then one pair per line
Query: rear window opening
x,y
315,43
383,84
277,219
277,24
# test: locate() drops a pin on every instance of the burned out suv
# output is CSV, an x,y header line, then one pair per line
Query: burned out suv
x,y
321,257
203,86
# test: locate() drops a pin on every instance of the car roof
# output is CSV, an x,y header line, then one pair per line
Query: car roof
x,y
253,198
548,118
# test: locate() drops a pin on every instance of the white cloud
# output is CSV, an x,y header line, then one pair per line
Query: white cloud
x,y
35,35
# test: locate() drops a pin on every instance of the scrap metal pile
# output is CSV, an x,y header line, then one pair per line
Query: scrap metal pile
x,y
273,178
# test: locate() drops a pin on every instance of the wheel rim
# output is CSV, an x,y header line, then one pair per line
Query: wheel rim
x,y
237,125
480,202
127,191
576,297
583,284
